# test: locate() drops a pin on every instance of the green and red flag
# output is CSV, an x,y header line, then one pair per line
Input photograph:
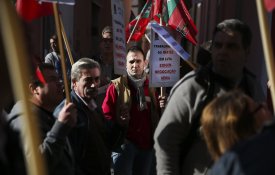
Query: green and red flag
x,y
269,5
180,20
157,11
172,12
175,14
160,12
32,9
137,27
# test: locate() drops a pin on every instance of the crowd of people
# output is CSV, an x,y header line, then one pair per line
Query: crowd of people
x,y
214,120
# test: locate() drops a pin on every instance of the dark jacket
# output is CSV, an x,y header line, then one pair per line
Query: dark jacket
x,y
54,145
11,154
251,157
91,139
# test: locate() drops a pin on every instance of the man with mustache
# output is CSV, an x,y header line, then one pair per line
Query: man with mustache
x,y
90,139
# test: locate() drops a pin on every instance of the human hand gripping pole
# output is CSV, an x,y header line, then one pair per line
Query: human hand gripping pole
x,y
68,115
162,101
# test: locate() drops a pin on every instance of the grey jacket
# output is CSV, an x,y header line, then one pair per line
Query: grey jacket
x,y
178,117
54,144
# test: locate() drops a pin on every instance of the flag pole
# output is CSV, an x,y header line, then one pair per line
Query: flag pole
x,y
62,57
18,71
66,42
162,89
141,13
267,47
148,39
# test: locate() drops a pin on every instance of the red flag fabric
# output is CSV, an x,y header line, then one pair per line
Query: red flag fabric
x,y
31,9
160,12
269,5
175,14
158,6
141,22
39,75
180,20
157,10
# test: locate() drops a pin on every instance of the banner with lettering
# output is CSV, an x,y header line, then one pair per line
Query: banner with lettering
x,y
164,63
168,39
119,43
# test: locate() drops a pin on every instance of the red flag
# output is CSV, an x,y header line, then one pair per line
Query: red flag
x,y
158,7
175,14
157,10
269,5
180,20
160,11
31,9
141,22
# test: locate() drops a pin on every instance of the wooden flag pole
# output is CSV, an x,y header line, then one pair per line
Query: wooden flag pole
x,y
19,71
66,42
62,57
267,47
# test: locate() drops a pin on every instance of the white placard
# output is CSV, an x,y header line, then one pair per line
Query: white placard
x,y
119,43
164,63
170,41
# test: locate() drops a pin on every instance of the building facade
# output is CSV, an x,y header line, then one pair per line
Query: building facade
x,y
84,22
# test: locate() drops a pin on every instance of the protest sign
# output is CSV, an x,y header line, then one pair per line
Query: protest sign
x,y
118,37
164,63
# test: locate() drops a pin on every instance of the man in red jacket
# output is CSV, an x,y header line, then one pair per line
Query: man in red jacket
x,y
130,103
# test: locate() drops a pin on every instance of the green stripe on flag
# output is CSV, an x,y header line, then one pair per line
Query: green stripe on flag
x,y
147,9
171,5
